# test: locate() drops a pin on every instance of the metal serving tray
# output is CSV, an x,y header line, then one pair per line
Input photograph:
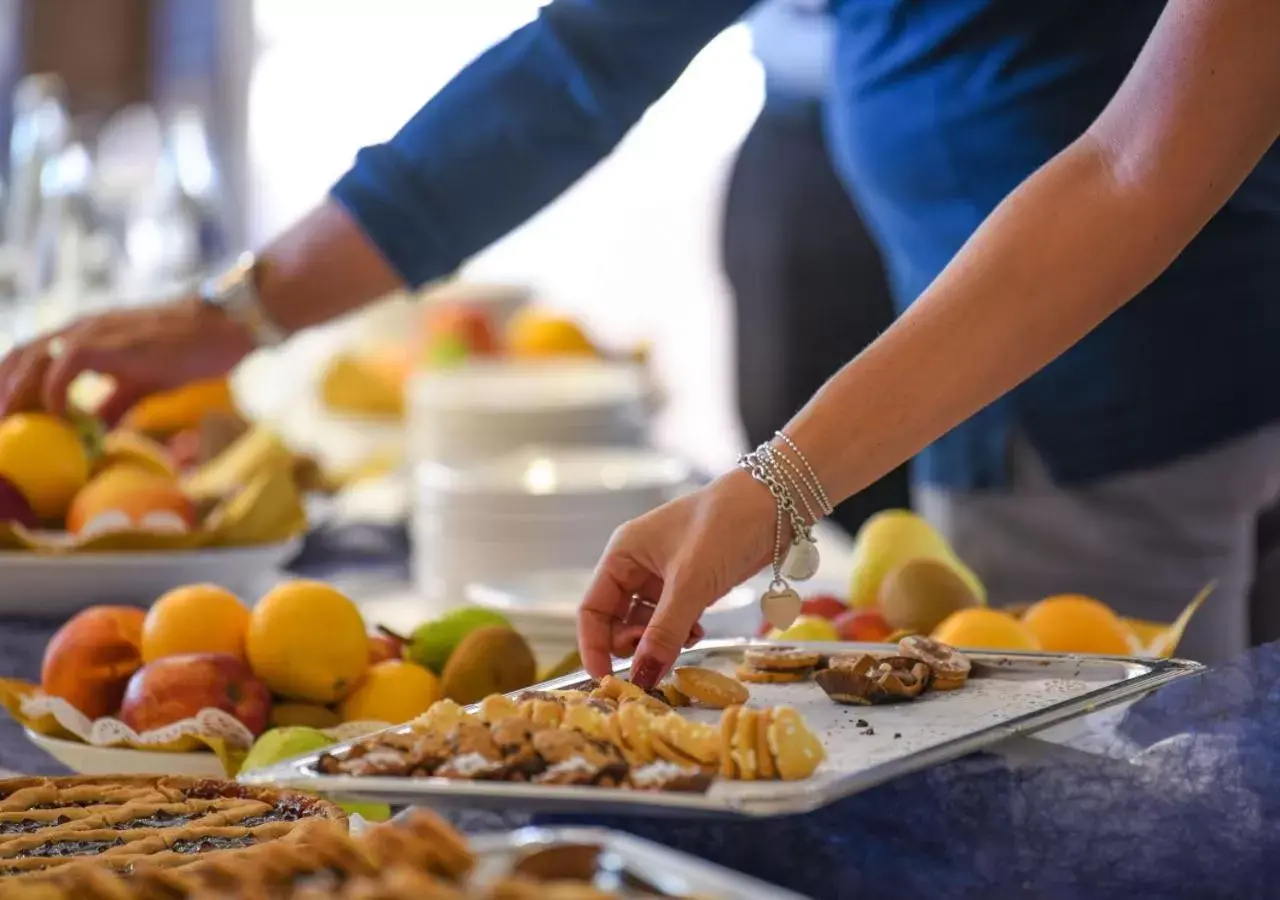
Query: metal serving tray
x,y
673,873
1008,694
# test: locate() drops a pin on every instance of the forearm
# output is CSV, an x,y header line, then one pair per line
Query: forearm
x,y
1075,242
320,269
1056,258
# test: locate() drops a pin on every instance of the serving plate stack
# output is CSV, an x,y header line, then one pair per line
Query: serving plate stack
x,y
486,409
532,510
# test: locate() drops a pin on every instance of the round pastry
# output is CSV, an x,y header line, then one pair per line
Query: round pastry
x,y
780,659
950,667
771,676
709,688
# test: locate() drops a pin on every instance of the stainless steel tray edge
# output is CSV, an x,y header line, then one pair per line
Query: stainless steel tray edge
x,y
1150,675
654,861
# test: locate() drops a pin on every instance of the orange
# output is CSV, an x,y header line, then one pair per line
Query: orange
x,y
198,618
393,691
308,642
184,407
535,335
1074,624
45,459
128,497
988,629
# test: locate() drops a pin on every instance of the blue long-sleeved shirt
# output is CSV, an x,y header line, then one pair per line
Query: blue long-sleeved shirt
x,y
939,108
794,40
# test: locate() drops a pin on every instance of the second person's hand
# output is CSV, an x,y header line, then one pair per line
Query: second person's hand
x,y
678,559
143,351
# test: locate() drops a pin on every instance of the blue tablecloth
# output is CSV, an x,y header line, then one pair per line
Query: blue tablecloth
x,y
1196,815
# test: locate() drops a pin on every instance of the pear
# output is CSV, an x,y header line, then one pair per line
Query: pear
x,y
280,744
432,643
886,541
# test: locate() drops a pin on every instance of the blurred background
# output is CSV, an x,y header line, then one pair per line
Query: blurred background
x,y
150,139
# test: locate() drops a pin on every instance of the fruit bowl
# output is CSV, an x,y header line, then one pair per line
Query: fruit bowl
x,y
61,584
86,759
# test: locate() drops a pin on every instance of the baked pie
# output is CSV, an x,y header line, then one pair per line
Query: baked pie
x,y
52,822
415,858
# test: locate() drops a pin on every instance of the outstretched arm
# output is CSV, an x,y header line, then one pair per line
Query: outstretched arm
x,y
508,135
1070,246
1076,241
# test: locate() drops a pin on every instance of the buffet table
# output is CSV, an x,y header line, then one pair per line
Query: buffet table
x,y
1180,797
1193,815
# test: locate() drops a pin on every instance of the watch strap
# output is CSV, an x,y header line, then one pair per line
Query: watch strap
x,y
234,292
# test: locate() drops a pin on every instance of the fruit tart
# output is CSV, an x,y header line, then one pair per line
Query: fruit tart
x,y
47,823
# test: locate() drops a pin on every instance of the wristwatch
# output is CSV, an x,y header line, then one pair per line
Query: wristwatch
x,y
234,293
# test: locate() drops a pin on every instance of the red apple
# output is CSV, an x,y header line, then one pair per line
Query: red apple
x,y
465,323
178,687
385,644
863,625
14,506
824,606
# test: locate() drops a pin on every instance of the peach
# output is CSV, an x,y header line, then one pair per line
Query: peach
x,y
823,605
462,322
384,645
127,498
178,687
863,626
91,658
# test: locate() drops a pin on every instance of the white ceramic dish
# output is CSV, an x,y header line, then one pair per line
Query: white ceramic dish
x,y
486,409
54,585
85,759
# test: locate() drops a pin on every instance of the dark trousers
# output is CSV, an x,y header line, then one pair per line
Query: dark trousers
x,y
808,285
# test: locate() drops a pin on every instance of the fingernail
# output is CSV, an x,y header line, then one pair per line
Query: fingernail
x,y
646,672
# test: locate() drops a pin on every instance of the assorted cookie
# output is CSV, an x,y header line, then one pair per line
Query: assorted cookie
x,y
708,687
950,667
865,679
777,665
584,738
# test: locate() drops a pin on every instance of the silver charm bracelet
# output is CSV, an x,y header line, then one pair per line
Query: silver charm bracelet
x,y
792,486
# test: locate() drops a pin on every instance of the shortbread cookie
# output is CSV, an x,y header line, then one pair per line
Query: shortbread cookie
x,y
496,707
796,750
744,745
710,688
772,676
589,718
637,726
764,757
688,740
780,659
950,667
673,695
728,726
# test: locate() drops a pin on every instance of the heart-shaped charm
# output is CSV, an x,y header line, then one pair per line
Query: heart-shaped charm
x,y
802,561
780,606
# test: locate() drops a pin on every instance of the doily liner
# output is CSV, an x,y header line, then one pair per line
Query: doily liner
x,y
210,730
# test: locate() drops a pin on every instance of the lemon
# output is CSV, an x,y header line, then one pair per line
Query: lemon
x,y
45,458
393,691
534,335
308,642
807,628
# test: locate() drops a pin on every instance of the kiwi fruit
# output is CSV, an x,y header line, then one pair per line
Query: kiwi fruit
x,y
489,660
920,593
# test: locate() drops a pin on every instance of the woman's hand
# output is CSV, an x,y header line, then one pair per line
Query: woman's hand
x,y
682,557
144,351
